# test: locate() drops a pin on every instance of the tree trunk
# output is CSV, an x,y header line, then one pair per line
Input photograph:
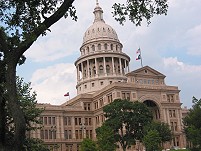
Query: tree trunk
x,y
2,120
13,105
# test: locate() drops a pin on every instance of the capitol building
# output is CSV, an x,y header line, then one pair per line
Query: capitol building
x,y
103,75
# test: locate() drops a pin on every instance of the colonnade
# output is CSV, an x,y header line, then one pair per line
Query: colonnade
x,y
102,66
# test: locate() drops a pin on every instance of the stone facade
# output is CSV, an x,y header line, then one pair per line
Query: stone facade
x,y
102,76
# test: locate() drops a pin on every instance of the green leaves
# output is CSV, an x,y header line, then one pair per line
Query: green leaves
x,y
105,138
152,140
127,120
192,124
137,10
88,145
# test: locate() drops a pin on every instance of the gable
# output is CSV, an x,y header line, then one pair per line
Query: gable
x,y
146,71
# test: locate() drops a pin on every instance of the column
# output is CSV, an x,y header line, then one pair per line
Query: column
x,y
57,128
73,127
120,65
104,65
62,127
78,74
88,75
113,71
96,65
82,68
128,67
126,71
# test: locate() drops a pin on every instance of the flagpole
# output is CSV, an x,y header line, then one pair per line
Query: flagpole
x,y
141,58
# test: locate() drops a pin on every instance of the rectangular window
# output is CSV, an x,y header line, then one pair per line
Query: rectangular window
x,y
49,120
90,123
46,134
50,134
53,121
76,134
45,120
101,102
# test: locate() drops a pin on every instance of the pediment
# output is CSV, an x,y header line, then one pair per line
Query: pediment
x,y
146,71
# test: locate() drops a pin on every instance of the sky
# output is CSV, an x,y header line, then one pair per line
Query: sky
x,y
171,44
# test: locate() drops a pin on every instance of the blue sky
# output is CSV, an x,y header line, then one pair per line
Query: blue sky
x,y
170,44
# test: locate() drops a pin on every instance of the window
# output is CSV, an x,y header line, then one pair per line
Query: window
x,y
111,46
116,47
85,86
96,105
53,121
49,120
93,48
89,134
109,97
99,46
67,120
92,84
87,49
87,106
94,70
67,134
101,83
107,68
101,69
126,95
77,120
170,97
45,120
69,147
105,46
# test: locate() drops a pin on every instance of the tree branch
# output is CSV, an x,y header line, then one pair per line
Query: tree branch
x,y
43,27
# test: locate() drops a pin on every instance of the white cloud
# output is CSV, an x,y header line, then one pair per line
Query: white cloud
x,y
194,40
53,82
186,76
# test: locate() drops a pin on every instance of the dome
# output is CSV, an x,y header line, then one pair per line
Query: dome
x,y
99,30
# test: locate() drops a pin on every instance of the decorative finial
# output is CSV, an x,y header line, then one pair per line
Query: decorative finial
x,y
97,2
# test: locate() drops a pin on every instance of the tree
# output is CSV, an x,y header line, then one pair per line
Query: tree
x,y
27,102
151,140
127,120
162,129
105,138
192,123
88,145
22,22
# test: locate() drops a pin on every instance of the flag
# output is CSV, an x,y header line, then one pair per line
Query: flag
x,y
67,94
138,57
138,51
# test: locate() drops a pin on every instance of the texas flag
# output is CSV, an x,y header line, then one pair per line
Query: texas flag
x,y
138,57
67,94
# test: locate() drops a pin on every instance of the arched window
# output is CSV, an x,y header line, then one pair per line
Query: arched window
x,y
90,72
99,46
100,69
105,46
107,68
111,46
93,48
94,70
87,49
116,47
